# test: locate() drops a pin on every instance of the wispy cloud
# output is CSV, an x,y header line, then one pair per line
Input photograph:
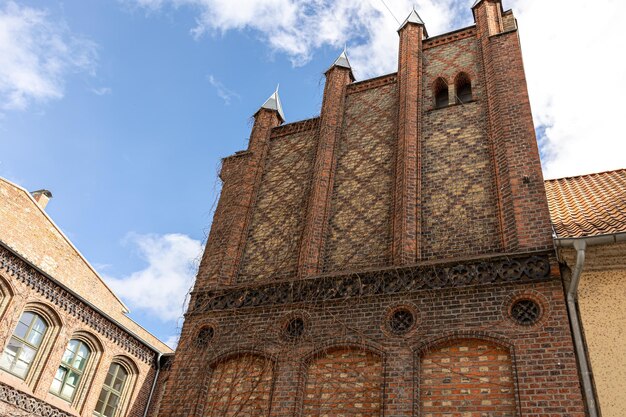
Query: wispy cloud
x,y
37,52
576,76
222,92
101,91
161,287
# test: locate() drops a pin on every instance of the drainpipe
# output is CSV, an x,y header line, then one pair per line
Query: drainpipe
x,y
572,294
580,245
156,378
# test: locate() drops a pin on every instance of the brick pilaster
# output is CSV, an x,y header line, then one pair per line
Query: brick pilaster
x,y
524,216
406,224
331,119
241,175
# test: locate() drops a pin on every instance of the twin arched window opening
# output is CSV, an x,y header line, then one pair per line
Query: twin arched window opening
x,y
462,90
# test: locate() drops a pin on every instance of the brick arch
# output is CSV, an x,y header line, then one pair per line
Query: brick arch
x,y
343,379
238,384
466,374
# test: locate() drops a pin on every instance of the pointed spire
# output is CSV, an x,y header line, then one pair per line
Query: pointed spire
x,y
273,103
414,18
343,62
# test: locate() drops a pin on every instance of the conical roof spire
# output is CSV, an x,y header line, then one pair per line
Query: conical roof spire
x,y
343,62
273,103
414,18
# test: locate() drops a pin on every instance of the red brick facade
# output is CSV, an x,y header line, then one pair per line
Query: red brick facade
x,y
391,257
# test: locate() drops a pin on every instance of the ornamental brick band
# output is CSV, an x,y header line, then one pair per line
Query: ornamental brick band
x,y
30,276
505,269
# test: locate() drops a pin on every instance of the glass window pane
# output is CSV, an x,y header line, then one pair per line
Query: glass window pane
x,y
71,346
56,386
27,318
20,368
100,404
108,411
20,330
72,378
110,375
27,354
67,356
7,359
34,337
118,384
39,325
68,391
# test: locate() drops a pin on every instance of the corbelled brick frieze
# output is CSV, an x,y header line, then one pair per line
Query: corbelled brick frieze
x,y
30,276
29,404
499,269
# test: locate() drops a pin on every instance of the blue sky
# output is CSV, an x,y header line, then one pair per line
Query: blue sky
x,y
123,108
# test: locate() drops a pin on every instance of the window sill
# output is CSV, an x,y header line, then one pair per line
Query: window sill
x,y
451,105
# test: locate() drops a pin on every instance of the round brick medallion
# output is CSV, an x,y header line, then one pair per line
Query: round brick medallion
x,y
204,336
295,328
525,312
401,321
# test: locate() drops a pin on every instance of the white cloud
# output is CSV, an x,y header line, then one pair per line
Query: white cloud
x,y
37,52
222,92
101,91
172,341
572,52
161,287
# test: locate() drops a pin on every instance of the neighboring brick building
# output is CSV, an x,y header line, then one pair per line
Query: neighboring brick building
x,y
68,347
392,256
589,217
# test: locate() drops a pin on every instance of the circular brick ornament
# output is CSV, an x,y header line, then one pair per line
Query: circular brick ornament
x,y
295,328
204,336
525,312
401,321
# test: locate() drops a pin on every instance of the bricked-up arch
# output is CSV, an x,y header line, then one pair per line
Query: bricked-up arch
x,y
468,377
343,381
240,386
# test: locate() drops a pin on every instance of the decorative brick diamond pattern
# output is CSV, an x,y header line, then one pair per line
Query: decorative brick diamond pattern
x,y
274,238
467,378
241,386
344,383
360,229
459,204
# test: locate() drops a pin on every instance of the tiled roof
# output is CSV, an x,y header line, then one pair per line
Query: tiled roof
x,y
588,205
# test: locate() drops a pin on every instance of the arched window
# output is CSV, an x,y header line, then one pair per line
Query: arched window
x,y
19,354
71,370
440,92
463,87
112,390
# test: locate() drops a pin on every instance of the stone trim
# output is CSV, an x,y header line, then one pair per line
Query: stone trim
x,y
25,273
29,404
504,269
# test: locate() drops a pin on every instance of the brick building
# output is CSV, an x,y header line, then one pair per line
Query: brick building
x,y
392,256
68,347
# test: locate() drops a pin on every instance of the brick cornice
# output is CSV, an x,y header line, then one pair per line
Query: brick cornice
x,y
21,270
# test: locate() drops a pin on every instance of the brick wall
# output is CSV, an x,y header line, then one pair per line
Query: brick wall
x,y
359,232
67,318
452,198
273,242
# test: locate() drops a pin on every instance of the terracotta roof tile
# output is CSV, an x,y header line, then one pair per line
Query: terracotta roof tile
x,y
588,205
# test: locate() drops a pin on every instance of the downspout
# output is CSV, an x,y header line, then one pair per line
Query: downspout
x,y
156,378
572,294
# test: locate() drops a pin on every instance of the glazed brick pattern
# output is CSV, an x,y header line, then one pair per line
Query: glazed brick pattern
x,y
273,241
240,386
345,382
459,212
467,378
544,362
360,228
